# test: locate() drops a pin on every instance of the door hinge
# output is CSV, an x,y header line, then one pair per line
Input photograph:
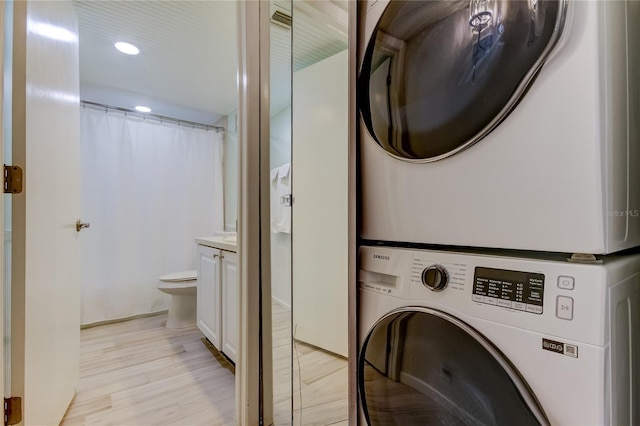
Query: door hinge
x,y
12,179
286,200
12,410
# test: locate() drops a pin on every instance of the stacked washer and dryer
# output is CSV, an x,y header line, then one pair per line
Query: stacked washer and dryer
x,y
499,158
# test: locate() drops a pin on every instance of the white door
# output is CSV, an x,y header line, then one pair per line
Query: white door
x,y
320,210
230,305
208,312
45,308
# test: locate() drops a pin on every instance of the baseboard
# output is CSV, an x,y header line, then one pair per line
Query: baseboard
x,y
113,321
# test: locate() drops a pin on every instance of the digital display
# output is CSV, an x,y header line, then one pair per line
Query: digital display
x,y
522,291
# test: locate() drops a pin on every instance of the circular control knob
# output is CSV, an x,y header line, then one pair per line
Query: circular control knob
x,y
435,278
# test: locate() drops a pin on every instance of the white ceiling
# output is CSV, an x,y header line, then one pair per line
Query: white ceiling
x,y
187,64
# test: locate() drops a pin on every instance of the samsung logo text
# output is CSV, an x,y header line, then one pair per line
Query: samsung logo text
x,y
381,256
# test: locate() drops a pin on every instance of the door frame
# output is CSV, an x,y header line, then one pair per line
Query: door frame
x,y
254,378
254,257
2,230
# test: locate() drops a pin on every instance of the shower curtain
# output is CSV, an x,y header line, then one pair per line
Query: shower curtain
x,y
148,189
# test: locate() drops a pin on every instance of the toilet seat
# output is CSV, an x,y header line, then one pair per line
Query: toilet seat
x,y
183,289
180,276
179,288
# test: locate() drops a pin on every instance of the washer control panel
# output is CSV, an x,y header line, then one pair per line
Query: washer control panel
x,y
523,291
563,300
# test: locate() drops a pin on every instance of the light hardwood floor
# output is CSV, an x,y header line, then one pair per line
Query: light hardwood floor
x,y
138,372
320,379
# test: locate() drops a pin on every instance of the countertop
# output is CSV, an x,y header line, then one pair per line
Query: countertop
x,y
222,243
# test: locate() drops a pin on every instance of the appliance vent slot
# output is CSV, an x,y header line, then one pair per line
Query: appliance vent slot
x,y
282,19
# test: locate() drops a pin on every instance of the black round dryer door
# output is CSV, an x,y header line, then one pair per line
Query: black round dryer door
x,y
439,75
420,366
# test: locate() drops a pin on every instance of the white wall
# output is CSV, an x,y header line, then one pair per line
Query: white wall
x,y
281,242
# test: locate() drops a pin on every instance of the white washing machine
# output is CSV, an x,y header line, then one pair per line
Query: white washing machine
x,y
503,124
453,338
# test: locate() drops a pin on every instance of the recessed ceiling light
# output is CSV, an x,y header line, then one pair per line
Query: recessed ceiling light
x,y
127,48
141,108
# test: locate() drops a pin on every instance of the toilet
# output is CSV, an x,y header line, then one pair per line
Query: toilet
x,y
182,287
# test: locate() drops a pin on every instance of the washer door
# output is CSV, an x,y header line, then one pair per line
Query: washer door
x,y
420,366
439,75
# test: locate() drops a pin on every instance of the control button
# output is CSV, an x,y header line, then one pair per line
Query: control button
x,y
564,307
435,278
504,303
490,301
477,298
566,283
571,350
519,306
534,309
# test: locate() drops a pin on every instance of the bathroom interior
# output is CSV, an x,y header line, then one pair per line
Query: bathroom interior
x,y
153,188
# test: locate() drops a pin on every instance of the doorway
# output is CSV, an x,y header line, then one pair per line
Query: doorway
x,y
52,269
153,174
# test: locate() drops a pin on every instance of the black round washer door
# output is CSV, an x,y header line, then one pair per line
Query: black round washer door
x,y
420,366
439,75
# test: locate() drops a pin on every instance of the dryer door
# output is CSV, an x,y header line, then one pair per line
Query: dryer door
x,y
438,76
422,366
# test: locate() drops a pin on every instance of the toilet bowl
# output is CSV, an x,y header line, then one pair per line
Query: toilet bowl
x,y
182,286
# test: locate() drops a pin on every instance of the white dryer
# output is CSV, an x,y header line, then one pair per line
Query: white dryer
x,y
506,124
453,338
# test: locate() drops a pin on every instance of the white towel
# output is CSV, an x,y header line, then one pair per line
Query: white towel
x,y
280,187
283,171
274,175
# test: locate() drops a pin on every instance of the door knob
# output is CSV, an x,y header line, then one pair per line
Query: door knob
x,y
81,225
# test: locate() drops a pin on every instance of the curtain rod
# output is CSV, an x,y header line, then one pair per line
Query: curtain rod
x,y
162,118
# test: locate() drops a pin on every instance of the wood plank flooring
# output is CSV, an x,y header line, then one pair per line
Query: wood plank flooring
x,y
138,373
320,379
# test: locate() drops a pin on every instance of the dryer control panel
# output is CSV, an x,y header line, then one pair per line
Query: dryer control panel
x,y
523,291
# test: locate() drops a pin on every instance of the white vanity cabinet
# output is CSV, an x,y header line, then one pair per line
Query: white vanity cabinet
x,y
208,306
218,302
230,305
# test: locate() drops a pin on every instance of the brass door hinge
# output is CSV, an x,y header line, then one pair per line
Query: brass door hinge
x,y
12,410
12,179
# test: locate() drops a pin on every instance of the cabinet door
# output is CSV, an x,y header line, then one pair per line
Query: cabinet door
x,y
230,305
208,300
